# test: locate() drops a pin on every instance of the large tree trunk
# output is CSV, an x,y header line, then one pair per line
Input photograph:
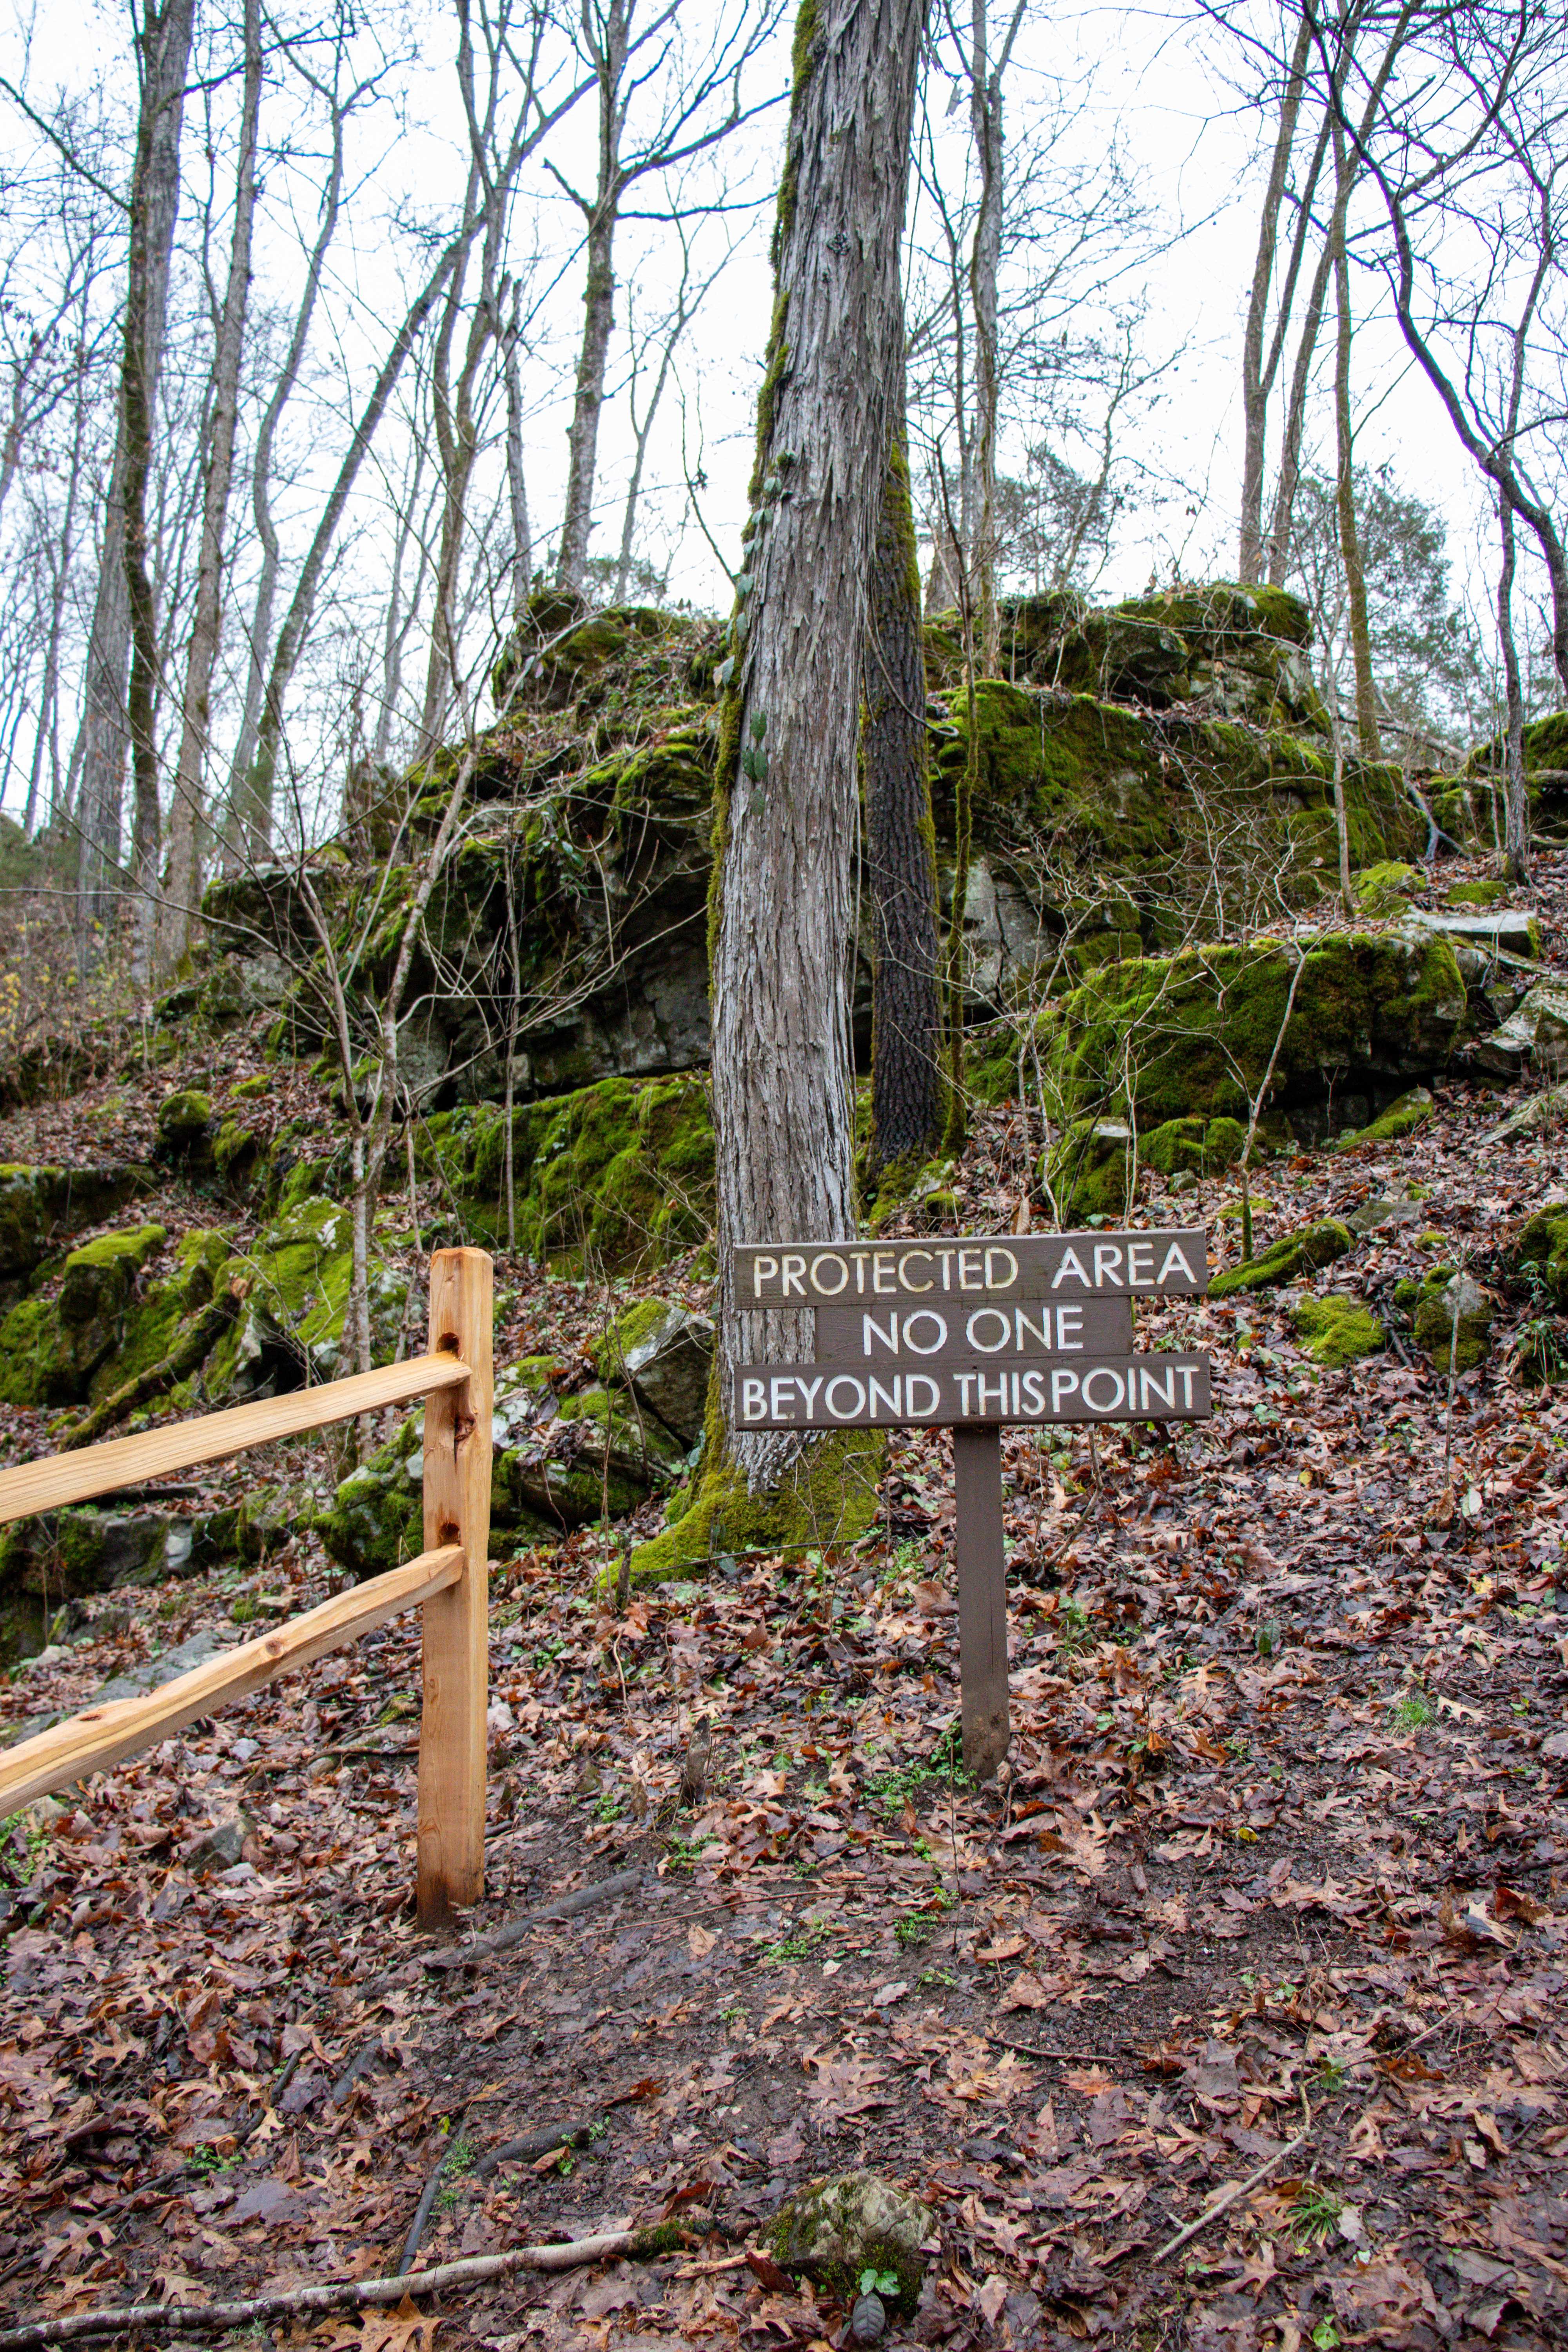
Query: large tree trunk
x,y
1345,486
1255,379
177,906
109,723
786,811
900,844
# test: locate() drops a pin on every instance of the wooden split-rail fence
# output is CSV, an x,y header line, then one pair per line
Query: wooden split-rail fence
x,y
447,1583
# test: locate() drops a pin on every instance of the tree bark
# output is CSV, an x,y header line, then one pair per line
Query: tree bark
x,y
599,300
516,483
901,843
178,904
1515,795
984,270
163,44
261,507
1257,381
1345,481
786,820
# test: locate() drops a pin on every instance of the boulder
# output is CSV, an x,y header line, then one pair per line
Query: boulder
x,y
1372,1012
52,1342
1533,1038
1539,1253
1292,1253
1446,1299
1404,1114
1336,1330
836,2230
664,1353
1086,1170
39,1207
185,1124
1196,1147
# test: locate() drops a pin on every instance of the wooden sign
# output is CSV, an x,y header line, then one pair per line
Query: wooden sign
x,y
956,1330
1029,1329
1165,1387
1027,1265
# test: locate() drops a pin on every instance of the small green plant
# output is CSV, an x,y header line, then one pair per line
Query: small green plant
x,y
609,1805
914,1930
1409,1713
735,2016
798,1947
1326,2336
461,2157
208,2161
929,1977
596,2130
1331,2075
242,1609
33,1838
882,2282
1073,1628
681,1853
1316,2210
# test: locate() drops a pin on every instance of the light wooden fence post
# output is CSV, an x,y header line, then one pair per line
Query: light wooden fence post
x,y
451,1870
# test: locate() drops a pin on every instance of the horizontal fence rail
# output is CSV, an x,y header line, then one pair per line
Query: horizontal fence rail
x,y
447,1581
62,1478
101,1736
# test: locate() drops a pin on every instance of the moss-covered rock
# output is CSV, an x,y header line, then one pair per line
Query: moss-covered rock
x,y
149,1324
1197,1147
1336,1330
185,1124
1291,1254
1476,894
618,1175
664,1353
42,1206
1445,1303
1194,1033
1539,1252
1387,888
1086,1170
52,1343
1404,1114
835,2230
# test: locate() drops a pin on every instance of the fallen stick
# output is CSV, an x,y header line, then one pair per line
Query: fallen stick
x,y
338,2294
1222,2204
565,1906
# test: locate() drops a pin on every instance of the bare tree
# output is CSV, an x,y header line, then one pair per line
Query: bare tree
x,y
177,904
111,718
626,62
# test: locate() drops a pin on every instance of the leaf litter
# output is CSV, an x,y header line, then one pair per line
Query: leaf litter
x,y
1270,1896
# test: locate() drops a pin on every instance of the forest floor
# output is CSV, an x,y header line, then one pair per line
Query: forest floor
x,y
1278,1870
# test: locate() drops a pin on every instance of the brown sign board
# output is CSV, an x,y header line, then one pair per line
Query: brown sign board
x,y
957,1330
1155,1387
1019,1265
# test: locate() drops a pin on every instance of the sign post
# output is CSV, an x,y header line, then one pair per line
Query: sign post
x,y
977,1336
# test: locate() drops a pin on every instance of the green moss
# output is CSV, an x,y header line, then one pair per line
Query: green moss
x,y
609,1353
183,1119
1087,1170
39,1205
835,2230
1336,1331
1385,889
149,1326
1202,1146
827,1497
1476,894
1444,1303
1540,1251
1292,1253
1199,1029
1404,1115
52,1344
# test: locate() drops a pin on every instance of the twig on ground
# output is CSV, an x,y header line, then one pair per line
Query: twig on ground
x,y
421,2221
1221,2204
337,2295
565,1906
524,2150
